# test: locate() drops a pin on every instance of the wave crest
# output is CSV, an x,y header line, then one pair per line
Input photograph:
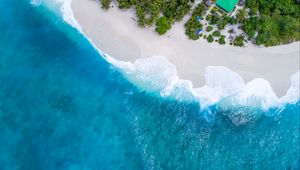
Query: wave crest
x,y
67,13
222,85
157,75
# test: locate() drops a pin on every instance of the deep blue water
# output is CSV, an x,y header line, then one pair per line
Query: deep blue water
x,y
62,106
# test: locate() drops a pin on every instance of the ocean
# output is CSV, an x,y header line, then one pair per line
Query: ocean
x,y
65,105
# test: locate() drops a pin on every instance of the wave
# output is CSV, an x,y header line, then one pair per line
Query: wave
x,y
67,13
156,74
222,85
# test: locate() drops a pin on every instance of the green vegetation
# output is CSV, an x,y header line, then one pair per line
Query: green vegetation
x,y
210,38
221,24
125,4
209,28
251,26
241,15
239,41
191,28
230,20
265,22
148,12
105,4
208,18
222,40
216,34
162,25
215,18
192,25
140,15
176,9
278,21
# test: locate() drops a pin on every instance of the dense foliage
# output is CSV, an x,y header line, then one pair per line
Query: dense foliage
x,y
222,40
162,25
125,4
209,28
216,33
210,39
239,41
265,22
241,15
149,11
251,25
193,24
105,4
275,21
176,9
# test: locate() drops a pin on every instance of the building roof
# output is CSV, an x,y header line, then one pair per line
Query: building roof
x,y
227,5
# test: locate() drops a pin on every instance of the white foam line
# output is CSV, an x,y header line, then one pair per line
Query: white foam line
x,y
157,74
68,14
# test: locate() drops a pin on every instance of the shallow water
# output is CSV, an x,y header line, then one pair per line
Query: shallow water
x,y
62,106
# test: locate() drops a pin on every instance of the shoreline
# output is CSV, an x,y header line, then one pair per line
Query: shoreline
x,y
117,34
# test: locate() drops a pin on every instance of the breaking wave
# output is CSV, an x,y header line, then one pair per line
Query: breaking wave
x,y
64,107
223,86
156,74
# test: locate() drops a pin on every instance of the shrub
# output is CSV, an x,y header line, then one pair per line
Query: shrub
x,y
216,34
125,4
251,26
209,28
241,15
221,24
213,11
105,4
214,19
191,28
192,25
210,38
208,17
140,14
162,25
239,41
222,40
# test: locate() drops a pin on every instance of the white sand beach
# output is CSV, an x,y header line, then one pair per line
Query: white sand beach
x,y
116,33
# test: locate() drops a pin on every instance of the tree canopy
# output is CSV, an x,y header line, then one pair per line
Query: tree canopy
x,y
265,22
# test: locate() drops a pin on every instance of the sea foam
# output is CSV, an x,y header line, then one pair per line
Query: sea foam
x,y
293,93
68,14
157,75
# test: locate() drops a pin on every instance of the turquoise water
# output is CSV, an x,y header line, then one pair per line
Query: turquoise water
x,y
62,106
